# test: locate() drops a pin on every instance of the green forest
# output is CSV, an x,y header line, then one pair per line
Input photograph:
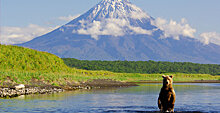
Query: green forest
x,y
145,67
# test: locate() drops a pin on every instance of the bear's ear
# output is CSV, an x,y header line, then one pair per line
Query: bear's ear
x,y
171,76
164,76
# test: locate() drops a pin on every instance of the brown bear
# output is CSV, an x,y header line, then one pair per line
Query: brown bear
x,y
167,95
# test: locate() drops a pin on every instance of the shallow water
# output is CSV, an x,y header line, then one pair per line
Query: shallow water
x,y
190,98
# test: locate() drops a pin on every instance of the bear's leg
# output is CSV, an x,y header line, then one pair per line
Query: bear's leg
x,y
160,105
172,108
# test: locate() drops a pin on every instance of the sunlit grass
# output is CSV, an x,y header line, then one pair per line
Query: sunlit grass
x,y
61,78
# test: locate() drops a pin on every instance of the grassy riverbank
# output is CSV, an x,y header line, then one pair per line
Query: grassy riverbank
x,y
20,65
76,77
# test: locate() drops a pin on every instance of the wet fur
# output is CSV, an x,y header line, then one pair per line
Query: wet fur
x,y
167,95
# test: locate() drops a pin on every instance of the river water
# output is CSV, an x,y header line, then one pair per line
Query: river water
x,y
192,97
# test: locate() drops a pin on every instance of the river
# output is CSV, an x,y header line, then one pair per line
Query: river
x,y
190,97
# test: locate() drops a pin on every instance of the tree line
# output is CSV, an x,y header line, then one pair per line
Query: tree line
x,y
148,67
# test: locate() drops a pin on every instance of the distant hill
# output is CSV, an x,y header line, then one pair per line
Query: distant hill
x,y
20,58
147,67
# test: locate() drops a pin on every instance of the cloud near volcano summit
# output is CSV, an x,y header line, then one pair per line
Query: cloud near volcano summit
x,y
114,27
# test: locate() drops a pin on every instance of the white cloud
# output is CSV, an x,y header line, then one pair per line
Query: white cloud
x,y
68,18
16,35
114,27
97,28
210,37
139,30
174,29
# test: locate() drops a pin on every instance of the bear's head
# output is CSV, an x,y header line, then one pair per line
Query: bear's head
x,y
167,80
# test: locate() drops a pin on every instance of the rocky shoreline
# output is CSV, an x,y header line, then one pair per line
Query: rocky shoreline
x,y
12,92
15,91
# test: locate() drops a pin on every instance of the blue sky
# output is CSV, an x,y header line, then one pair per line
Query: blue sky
x,y
203,15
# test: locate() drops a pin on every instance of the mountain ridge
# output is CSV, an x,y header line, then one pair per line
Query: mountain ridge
x,y
119,30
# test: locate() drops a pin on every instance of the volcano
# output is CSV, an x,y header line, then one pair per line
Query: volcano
x,y
119,30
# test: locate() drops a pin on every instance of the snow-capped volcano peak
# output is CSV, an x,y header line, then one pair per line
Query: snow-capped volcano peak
x,y
114,2
110,1
118,9
112,17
